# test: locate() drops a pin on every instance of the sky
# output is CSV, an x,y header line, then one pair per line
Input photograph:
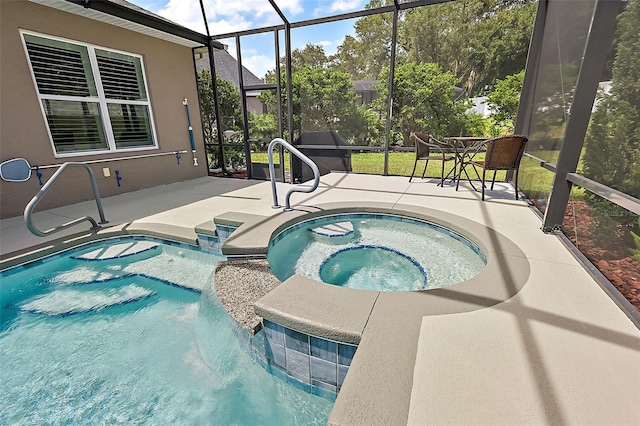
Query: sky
x,y
258,55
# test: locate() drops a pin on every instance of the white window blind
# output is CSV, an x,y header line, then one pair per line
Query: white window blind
x,y
94,100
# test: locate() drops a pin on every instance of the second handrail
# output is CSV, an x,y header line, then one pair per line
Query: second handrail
x,y
272,175
43,191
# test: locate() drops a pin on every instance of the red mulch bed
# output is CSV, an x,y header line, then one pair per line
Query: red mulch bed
x,y
235,175
612,258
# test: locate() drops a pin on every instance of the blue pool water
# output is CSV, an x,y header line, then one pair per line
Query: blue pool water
x,y
139,339
380,252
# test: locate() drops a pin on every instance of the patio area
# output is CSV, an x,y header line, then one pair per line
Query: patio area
x,y
559,351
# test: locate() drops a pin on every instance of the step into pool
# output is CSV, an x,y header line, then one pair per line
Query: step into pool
x,y
131,332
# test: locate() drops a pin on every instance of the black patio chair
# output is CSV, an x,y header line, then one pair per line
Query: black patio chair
x,y
429,148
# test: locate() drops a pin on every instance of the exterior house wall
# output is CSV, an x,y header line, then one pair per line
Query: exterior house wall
x,y
254,105
170,78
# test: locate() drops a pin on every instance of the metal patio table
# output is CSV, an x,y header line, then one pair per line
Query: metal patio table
x,y
464,146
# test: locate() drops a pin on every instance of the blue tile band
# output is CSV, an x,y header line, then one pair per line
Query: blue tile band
x,y
311,363
213,244
365,247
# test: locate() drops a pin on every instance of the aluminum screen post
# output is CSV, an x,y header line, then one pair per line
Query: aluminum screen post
x,y
600,37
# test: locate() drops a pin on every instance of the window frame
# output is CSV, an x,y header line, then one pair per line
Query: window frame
x,y
101,100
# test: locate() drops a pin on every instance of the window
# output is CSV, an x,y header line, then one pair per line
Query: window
x,y
94,100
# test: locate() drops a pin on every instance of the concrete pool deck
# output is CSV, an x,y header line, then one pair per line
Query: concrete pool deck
x,y
553,350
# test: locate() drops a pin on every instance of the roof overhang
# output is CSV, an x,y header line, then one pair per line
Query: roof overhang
x,y
130,18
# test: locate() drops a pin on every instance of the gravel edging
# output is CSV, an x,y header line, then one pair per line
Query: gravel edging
x,y
239,284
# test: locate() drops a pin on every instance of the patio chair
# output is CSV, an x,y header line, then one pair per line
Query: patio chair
x,y
429,148
501,153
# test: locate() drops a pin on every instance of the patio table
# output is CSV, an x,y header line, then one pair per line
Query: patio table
x,y
464,146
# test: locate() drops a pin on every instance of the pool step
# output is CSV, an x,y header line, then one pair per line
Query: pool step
x,y
334,230
72,301
118,251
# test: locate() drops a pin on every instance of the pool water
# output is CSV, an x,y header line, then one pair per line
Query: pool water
x,y
379,252
140,339
373,268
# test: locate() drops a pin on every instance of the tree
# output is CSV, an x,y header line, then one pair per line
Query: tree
x,y
612,144
366,55
262,126
327,101
443,35
322,100
350,60
611,153
313,55
500,42
269,99
505,97
423,101
478,41
229,100
369,128
230,110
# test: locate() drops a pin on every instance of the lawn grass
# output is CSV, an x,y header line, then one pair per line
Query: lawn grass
x,y
534,180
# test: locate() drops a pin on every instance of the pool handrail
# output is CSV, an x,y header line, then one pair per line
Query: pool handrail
x,y
28,211
300,188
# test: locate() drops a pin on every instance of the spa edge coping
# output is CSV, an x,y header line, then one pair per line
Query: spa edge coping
x,y
341,314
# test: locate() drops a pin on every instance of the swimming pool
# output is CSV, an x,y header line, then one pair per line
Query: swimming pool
x,y
131,331
381,252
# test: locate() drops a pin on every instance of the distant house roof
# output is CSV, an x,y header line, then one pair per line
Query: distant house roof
x,y
227,68
365,85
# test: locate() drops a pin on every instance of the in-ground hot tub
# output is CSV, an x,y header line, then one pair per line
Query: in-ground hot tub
x,y
372,251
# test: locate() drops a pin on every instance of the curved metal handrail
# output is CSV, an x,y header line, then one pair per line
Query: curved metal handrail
x,y
272,174
43,191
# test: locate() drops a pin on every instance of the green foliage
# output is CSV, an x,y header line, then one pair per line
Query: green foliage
x,y
478,41
351,58
269,99
364,56
612,222
322,100
636,240
234,158
505,97
612,144
423,101
611,154
475,125
312,56
499,42
327,102
369,129
230,111
228,98
262,126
